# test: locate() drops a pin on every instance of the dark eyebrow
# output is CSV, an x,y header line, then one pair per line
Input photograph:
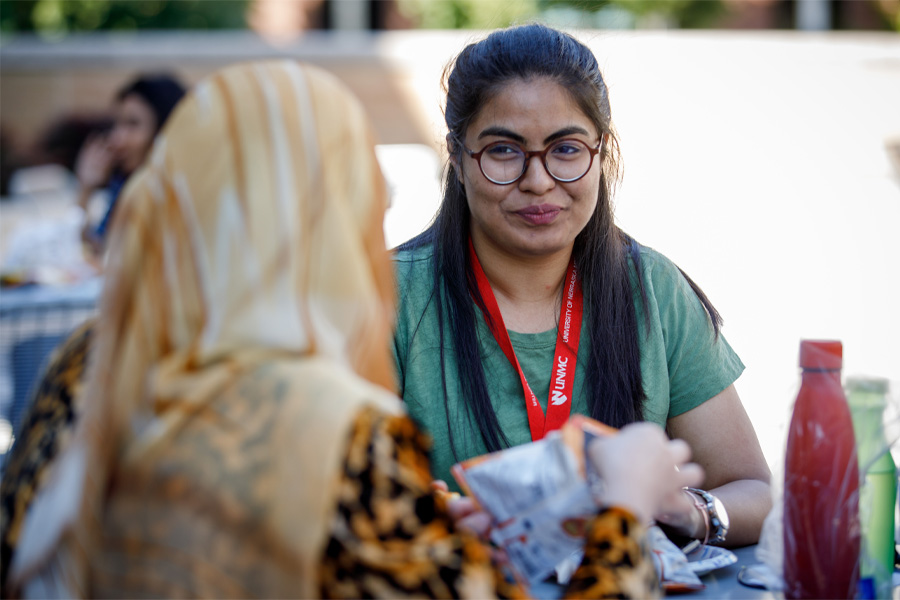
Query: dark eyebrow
x,y
565,132
501,132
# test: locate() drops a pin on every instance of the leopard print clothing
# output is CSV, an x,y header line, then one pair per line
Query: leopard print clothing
x,y
392,537
45,429
617,562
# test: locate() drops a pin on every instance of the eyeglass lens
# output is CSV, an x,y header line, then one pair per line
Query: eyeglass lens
x,y
565,160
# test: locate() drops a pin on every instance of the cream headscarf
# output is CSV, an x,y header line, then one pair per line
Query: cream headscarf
x,y
253,235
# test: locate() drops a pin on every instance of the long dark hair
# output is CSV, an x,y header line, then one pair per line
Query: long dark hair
x,y
601,250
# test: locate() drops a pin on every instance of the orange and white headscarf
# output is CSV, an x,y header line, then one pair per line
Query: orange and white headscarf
x,y
252,234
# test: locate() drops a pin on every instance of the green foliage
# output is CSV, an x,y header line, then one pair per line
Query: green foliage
x,y
680,13
890,13
468,14
56,18
486,14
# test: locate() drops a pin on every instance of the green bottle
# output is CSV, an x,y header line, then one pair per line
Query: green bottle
x,y
867,398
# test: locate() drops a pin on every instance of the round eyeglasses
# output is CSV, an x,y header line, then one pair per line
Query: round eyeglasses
x,y
566,161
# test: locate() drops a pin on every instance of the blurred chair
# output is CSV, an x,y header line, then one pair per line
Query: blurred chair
x,y
33,322
27,360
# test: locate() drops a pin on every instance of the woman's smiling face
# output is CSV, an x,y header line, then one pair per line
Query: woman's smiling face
x,y
536,215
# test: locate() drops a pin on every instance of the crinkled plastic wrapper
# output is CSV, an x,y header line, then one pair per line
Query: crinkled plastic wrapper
x,y
541,497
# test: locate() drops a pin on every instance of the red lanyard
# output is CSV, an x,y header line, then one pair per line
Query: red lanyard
x,y
559,401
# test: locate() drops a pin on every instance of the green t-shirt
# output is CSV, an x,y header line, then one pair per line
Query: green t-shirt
x,y
682,363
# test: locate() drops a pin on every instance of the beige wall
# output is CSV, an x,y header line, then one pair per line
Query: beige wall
x,y
40,81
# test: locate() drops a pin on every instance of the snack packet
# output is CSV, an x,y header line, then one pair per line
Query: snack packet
x,y
543,495
539,494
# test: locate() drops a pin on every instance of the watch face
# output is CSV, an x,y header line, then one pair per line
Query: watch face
x,y
721,512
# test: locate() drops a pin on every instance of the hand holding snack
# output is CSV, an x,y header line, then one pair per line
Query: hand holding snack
x,y
541,496
463,510
644,471
683,519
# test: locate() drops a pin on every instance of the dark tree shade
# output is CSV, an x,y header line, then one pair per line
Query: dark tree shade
x,y
62,16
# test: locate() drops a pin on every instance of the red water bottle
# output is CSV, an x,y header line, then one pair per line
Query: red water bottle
x,y
821,483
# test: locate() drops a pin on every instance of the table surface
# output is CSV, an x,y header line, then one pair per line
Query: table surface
x,y
32,296
720,583
723,583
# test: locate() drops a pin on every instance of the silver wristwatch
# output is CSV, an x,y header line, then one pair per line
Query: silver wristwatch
x,y
718,516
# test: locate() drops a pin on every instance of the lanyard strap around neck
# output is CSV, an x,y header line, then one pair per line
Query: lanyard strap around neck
x,y
565,358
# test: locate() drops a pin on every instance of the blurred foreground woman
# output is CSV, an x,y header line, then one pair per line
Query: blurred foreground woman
x,y
241,434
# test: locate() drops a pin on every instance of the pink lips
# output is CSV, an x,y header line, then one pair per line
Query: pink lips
x,y
541,214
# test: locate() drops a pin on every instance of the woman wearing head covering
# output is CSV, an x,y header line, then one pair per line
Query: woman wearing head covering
x,y
242,436
108,160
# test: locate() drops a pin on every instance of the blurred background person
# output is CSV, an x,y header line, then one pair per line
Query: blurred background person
x,y
107,159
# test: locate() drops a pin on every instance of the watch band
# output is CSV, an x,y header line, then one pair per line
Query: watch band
x,y
718,518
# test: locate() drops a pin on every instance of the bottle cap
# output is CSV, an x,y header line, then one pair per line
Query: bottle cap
x,y
821,354
870,385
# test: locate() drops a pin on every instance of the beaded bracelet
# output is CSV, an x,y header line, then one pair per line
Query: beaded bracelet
x,y
700,504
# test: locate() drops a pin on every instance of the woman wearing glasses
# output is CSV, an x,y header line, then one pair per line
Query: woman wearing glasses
x,y
524,303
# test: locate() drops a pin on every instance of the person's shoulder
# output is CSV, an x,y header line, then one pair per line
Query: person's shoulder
x,y
652,260
653,264
413,265
409,254
415,281
662,278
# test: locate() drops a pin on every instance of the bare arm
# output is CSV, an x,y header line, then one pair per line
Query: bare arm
x,y
724,443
